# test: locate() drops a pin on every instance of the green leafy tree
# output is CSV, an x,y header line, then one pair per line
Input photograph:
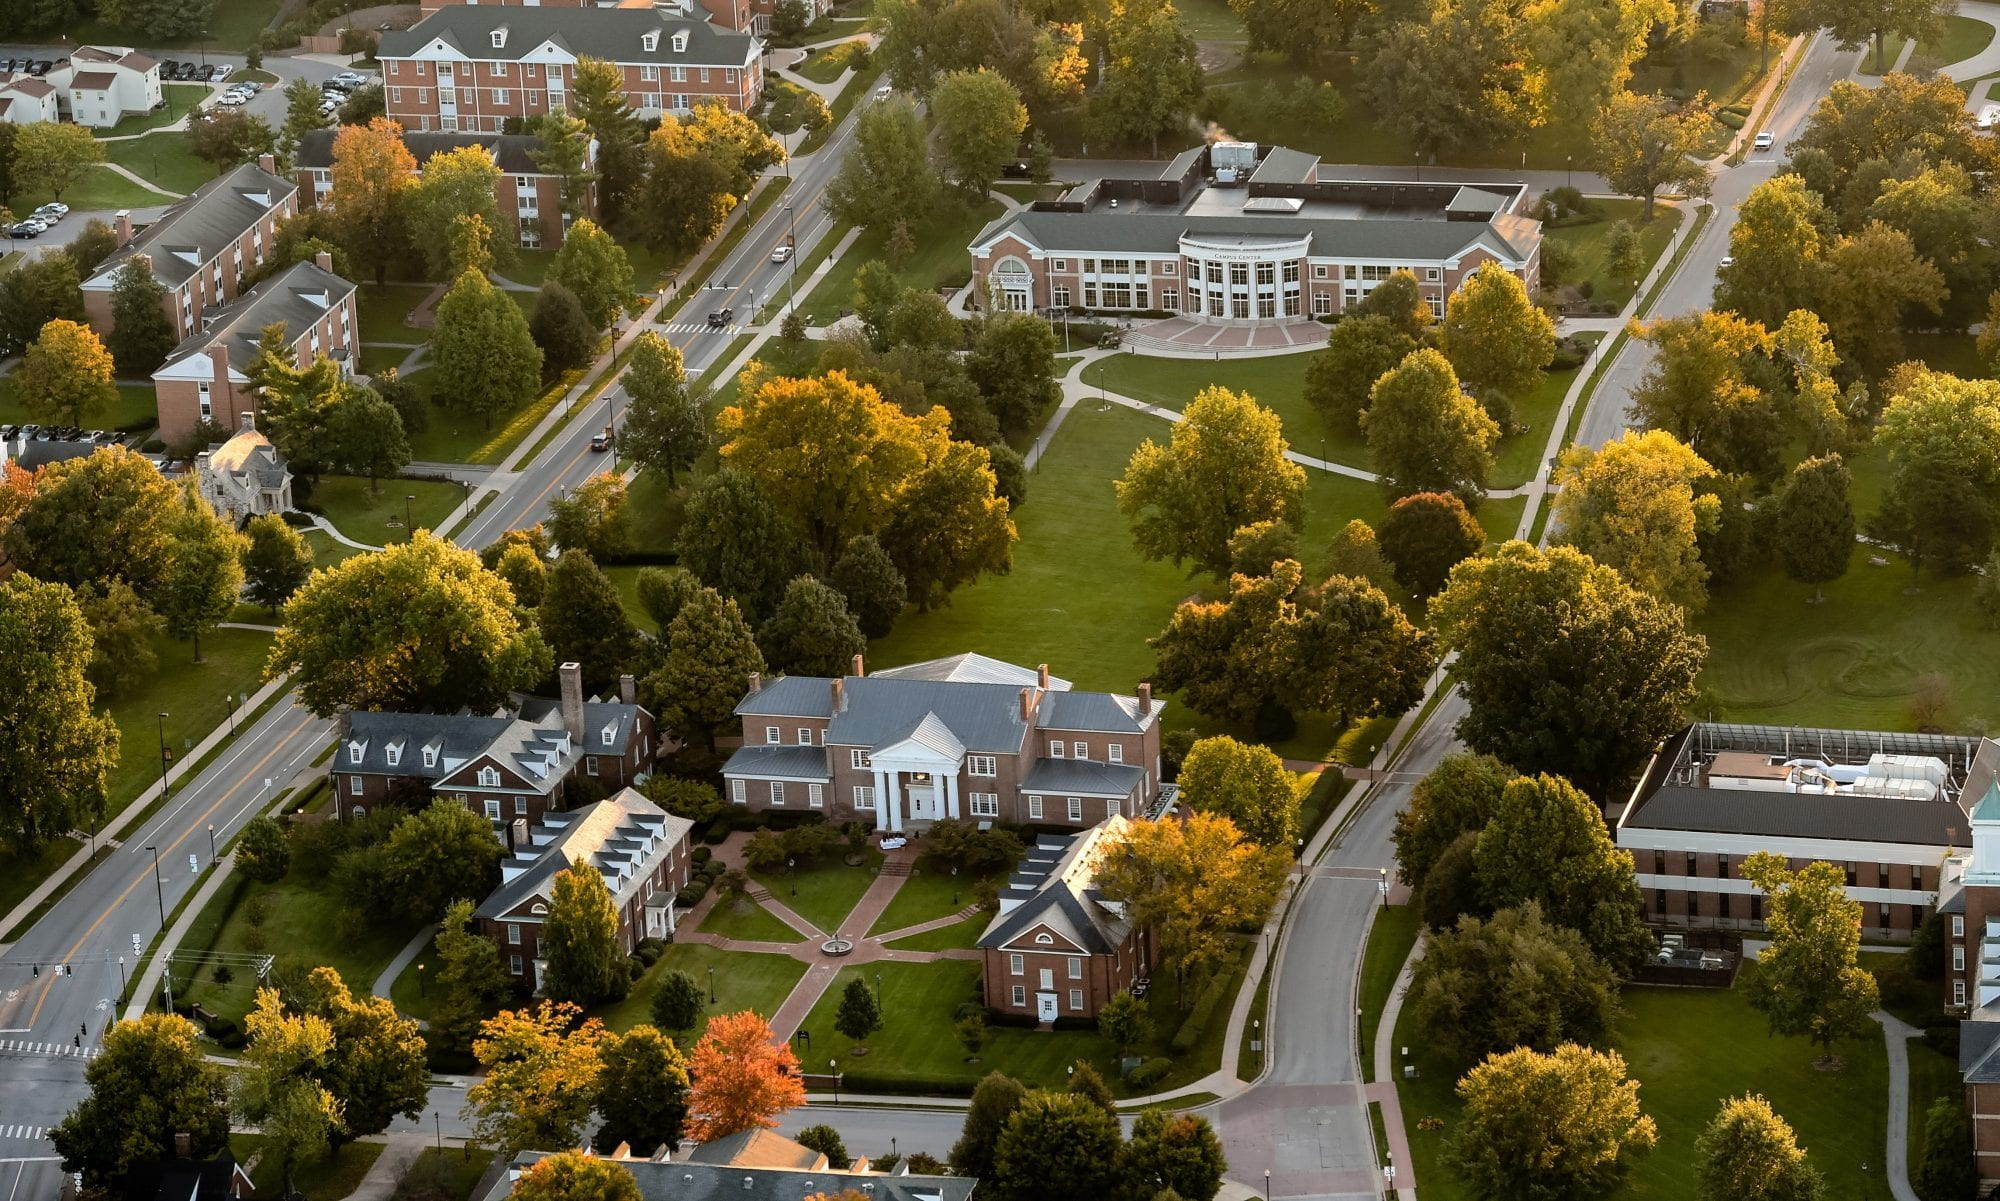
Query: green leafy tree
x,y
159,18
262,852
642,1093
736,541
1876,286
365,435
1543,985
1942,439
150,1082
1566,668
576,1176
859,1014
979,118
1425,536
1815,523
1359,351
1057,1136
419,625
1123,1020
1808,980
66,377
560,330
141,335
1702,387
123,629
1255,548
662,593
949,525
486,358
666,418
1151,76
376,1070
563,150
827,1141
591,518
1548,1127
276,561
1496,339
1748,1153
581,618
35,293
1247,784
585,964
1777,249
58,751
229,137
455,183
886,176
710,655
439,854
52,156
1426,433
1452,77
874,589
279,1088
525,573
1455,798
593,265
1013,360
1645,143
1946,1170
1223,468
471,983
1177,1153
122,499
1355,552
994,1100
1191,883
1546,843
811,633
679,1003
204,570
1631,505
302,116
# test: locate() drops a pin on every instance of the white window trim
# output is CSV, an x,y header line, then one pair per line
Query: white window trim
x,y
1035,807
739,792
1017,965
1020,995
778,792
1076,809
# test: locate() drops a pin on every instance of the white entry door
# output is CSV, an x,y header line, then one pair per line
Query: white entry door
x,y
923,805
1045,1007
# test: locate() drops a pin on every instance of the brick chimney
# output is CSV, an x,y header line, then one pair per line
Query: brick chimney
x,y
1042,674
839,695
859,668
570,679
268,163
124,226
1028,705
628,689
1145,699
756,682
218,358
323,259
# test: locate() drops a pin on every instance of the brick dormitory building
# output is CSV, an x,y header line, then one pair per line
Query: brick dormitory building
x,y
472,67
751,16
1233,233
1057,949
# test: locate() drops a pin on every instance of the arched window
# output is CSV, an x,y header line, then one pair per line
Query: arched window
x,y
489,778
539,909
1045,940
358,812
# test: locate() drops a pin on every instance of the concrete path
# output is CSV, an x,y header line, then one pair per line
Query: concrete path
x,y
403,959
149,981
333,531
117,170
1897,1034
379,1184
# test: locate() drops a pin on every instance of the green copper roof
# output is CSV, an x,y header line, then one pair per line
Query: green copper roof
x,y
1988,808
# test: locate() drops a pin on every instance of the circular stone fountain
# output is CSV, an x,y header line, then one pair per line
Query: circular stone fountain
x,y
836,946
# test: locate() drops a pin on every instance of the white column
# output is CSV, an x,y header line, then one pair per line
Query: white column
x,y
881,799
951,794
895,801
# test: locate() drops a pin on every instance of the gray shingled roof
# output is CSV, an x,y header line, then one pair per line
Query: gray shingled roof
x,y
982,717
40,454
755,1148
610,835
1160,233
790,696
459,737
1804,815
607,33
212,218
1977,1042
1064,900
1085,777
782,762
685,1181
297,297
621,717
513,152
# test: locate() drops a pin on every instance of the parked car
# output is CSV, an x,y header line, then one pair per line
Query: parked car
x,y
352,79
26,229
168,66
55,206
336,84
188,71
1765,140
1989,116
218,73
233,99
782,254
6,64
46,216
41,66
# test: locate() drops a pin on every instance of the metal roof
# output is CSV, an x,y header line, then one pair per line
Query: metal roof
x,y
779,762
970,667
1085,777
608,33
1097,712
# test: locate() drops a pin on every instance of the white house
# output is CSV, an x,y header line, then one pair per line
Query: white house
x,y
25,100
101,85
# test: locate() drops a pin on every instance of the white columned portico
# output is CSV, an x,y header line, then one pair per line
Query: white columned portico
x,y
951,795
882,812
895,800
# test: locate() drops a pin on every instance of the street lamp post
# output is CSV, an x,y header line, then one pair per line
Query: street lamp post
x,y
791,873
159,889
409,528
211,842
711,984
833,1065
1267,1184
437,1123
163,755
423,990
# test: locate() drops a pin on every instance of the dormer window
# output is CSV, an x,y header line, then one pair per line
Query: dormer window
x,y
609,732
500,37
489,778
395,753
430,756
681,42
355,750
649,41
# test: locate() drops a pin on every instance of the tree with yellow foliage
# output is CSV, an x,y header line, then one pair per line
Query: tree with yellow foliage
x,y
542,1069
373,173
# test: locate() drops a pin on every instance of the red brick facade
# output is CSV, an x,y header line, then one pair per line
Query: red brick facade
x,y
1042,961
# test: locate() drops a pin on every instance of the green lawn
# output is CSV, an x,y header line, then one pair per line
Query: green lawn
x,y
1963,38
100,188
410,990
451,1172
914,1050
1690,1049
939,259
135,407
21,871
825,66
742,979
627,581
326,552
377,517
1588,234
824,894
306,927
328,1180
163,159
180,97
377,359
653,514
383,309
1519,456
926,896
529,267
230,27
1080,597
1389,942
958,935
1728,78
746,921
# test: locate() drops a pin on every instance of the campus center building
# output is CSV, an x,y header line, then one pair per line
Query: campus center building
x,y
1233,233
962,737
1887,808
472,67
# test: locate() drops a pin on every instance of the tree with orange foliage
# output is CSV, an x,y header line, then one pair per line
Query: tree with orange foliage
x,y
373,174
743,1076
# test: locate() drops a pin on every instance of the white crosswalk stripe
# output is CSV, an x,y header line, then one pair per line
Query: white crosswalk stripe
x,y
24,1047
24,1132
695,327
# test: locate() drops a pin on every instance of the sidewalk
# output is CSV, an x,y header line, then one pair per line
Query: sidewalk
x,y
148,982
